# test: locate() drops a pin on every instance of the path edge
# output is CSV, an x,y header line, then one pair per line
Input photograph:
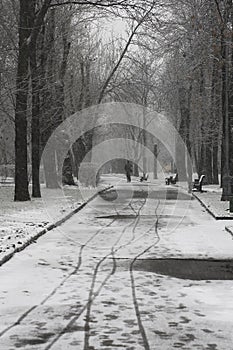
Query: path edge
x,y
50,227
211,212
227,229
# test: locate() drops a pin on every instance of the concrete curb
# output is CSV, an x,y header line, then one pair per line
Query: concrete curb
x,y
216,217
211,212
205,206
229,231
50,227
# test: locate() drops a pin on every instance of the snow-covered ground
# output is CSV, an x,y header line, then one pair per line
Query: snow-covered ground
x,y
77,289
21,222
211,197
211,200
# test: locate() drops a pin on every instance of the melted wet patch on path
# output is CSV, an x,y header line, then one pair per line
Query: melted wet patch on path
x,y
192,269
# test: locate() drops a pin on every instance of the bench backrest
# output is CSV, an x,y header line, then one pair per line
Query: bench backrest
x,y
201,179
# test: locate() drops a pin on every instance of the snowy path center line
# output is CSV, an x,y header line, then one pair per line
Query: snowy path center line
x,y
133,287
88,313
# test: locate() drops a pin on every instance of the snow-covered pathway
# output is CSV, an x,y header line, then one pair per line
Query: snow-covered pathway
x,y
71,290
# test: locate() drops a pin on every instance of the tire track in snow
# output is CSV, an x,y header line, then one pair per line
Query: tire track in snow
x,y
133,286
88,312
92,293
53,292
136,306
73,272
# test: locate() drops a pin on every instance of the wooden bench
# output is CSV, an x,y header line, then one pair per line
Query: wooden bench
x,y
197,184
172,179
144,177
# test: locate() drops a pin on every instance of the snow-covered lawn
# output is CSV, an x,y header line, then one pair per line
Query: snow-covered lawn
x,y
212,200
20,222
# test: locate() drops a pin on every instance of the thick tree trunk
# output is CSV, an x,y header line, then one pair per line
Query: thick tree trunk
x,y
196,157
182,160
79,153
226,85
36,87
50,171
155,162
231,144
225,170
35,123
49,107
208,164
230,121
84,144
201,163
67,171
215,114
22,81
29,27
35,139
135,170
215,165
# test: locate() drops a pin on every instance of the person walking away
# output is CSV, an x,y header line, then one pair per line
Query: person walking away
x,y
128,170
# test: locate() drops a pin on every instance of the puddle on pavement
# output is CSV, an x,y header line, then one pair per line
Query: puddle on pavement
x,y
112,195
191,269
132,216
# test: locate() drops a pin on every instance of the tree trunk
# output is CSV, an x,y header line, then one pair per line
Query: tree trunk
x,y
50,171
135,170
155,162
226,84
182,162
49,107
215,112
67,171
22,82
201,166
36,87
35,123
208,164
230,122
215,164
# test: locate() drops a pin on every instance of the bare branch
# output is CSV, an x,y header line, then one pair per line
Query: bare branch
x,y
39,20
219,11
98,3
122,55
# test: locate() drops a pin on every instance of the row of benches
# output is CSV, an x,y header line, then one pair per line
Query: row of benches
x,y
197,184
